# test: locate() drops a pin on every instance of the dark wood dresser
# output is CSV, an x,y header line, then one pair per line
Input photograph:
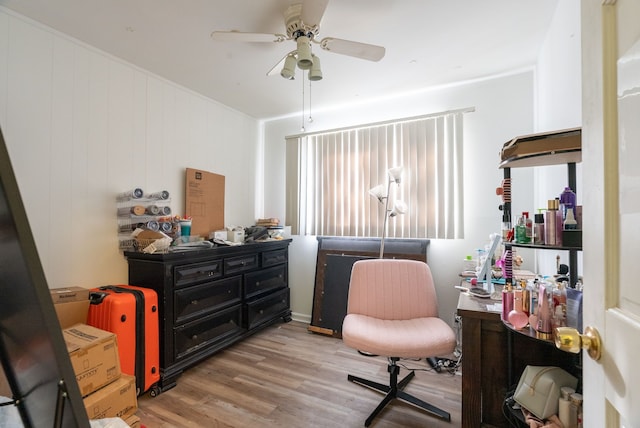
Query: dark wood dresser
x,y
211,298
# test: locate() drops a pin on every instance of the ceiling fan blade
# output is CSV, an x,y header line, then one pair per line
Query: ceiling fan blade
x,y
278,67
312,11
237,36
355,49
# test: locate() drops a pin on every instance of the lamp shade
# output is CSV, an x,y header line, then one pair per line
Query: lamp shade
x,y
378,192
304,53
395,174
315,73
289,69
399,207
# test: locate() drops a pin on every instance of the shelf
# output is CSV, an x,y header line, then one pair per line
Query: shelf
x,y
529,331
543,247
548,148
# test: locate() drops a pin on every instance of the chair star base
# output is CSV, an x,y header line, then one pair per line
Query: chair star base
x,y
395,391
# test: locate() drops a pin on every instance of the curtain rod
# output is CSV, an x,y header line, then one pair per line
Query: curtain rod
x,y
385,122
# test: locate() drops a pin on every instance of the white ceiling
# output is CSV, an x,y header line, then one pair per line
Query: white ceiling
x,y
427,43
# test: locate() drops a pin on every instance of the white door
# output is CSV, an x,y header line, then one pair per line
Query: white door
x,y
611,162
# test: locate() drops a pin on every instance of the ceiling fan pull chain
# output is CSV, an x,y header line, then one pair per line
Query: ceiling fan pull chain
x,y
310,117
302,128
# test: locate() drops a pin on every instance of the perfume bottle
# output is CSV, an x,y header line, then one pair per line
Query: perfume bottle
x,y
516,317
507,301
545,310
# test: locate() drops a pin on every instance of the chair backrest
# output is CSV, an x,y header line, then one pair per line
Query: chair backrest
x,y
394,289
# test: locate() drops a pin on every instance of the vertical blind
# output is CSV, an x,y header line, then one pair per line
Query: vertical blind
x,y
329,176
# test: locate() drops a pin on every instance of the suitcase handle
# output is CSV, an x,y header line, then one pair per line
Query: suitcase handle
x,y
113,288
96,297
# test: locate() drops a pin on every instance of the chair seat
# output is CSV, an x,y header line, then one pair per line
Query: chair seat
x,y
414,338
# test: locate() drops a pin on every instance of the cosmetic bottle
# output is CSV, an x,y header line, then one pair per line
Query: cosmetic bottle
x,y
538,229
526,298
559,222
533,303
528,225
570,222
545,310
565,408
516,316
560,305
567,202
550,223
506,226
507,301
576,409
521,231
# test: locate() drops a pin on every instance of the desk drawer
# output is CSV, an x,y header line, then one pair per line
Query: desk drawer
x,y
265,280
199,299
270,258
264,309
240,264
207,331
197,272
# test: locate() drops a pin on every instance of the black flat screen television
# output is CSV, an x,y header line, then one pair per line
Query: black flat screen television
x,y
32,349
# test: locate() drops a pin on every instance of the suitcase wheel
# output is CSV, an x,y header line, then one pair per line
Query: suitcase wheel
x,y
154,391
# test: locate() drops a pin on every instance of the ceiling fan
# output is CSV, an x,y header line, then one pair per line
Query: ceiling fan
x,y
302,23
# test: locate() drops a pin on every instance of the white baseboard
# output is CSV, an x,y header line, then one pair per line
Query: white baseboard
x,y
301,317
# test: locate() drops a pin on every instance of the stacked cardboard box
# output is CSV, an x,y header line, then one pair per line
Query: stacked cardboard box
x,y
106,391
71,305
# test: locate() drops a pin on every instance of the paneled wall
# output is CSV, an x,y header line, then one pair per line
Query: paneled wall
x,y
82,126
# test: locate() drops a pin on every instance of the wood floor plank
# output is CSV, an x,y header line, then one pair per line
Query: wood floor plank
x,y
285,376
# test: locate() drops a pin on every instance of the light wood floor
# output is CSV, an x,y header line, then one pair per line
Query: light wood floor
x,y
285,376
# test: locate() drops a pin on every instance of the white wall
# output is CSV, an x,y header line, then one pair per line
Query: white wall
x,y
558,106
503,108
82,126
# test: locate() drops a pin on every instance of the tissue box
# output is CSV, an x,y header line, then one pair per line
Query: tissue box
x,y
235,235
220,234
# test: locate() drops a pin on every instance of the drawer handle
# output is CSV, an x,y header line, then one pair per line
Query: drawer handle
x,y
257,283
194,302
280,276
261,311
194,337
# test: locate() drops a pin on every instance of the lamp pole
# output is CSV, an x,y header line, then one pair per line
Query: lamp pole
x,y
386,217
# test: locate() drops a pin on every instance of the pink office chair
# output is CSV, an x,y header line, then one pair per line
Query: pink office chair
x,y
393,311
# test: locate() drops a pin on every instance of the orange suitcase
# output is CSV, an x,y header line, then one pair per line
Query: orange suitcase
x,y
132,314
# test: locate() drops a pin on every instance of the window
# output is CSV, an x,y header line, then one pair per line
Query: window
x,y
329,176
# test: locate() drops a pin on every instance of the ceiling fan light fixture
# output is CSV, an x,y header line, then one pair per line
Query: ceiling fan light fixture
x,y
305,62
289,69
315,73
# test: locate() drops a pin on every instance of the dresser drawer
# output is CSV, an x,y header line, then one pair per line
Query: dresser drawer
x,y
240,264
270,258
264,309
199,299
208,331
197,272
265,280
